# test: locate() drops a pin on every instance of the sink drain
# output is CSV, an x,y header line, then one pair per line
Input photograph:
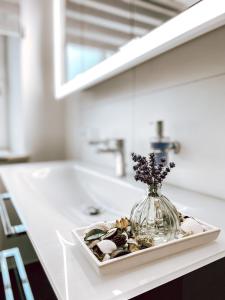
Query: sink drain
x,y
93,211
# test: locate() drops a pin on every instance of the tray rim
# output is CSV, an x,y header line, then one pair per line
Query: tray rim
x,y
79,237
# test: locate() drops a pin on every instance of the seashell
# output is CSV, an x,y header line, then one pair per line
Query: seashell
x,y
118,253
106,257
93,244
94,234
96,251
191,226
106,246
133,247
100,225
123,223
110,233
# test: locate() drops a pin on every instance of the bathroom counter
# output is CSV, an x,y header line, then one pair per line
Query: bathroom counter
x,y
48,198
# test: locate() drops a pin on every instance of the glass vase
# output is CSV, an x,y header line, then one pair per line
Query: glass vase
x,y
155,217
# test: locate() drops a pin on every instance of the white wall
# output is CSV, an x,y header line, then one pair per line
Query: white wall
x,y
43,117
184,87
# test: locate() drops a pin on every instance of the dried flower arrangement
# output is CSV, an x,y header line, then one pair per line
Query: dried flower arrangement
x,y
109,241
154,215
148,171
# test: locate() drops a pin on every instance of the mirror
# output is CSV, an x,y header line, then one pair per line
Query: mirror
x,y
97,39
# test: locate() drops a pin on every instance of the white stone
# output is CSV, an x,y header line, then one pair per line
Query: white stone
x,y
107,246
191,226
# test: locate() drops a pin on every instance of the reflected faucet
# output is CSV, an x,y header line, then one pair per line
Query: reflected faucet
x,y
115,146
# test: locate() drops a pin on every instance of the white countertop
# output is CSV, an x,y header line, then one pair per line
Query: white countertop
x,y
49,228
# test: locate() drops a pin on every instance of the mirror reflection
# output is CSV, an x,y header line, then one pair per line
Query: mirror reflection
x,y
96,29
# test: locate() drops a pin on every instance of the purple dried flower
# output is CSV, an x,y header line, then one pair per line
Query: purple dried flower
x,y
148,171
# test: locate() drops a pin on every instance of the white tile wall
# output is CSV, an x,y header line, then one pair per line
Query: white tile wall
x,y
184,87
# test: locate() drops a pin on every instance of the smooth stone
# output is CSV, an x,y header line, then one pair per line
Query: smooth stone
x,y
191,226
106,246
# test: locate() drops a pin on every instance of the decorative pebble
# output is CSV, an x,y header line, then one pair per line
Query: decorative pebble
x,y
106,246
191,226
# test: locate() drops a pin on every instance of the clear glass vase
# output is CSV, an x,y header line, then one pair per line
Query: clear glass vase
x,y
155,217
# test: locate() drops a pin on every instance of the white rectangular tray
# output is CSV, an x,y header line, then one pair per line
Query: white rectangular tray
x,y
147,255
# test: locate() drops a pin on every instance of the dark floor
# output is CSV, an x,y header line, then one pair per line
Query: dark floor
x,y
207,283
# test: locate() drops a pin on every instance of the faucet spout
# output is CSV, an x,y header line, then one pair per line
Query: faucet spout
x,y
115,146
120,165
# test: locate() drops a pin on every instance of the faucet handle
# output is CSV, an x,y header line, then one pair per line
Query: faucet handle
x,y
175,146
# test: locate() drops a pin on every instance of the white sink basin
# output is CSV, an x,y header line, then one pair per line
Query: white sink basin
x,y
72,190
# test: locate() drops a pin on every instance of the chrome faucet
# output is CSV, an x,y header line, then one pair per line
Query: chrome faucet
x,y
115,146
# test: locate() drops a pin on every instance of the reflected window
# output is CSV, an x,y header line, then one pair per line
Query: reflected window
x,y
81,58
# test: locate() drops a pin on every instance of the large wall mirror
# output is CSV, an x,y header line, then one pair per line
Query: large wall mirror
x,y
97,39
